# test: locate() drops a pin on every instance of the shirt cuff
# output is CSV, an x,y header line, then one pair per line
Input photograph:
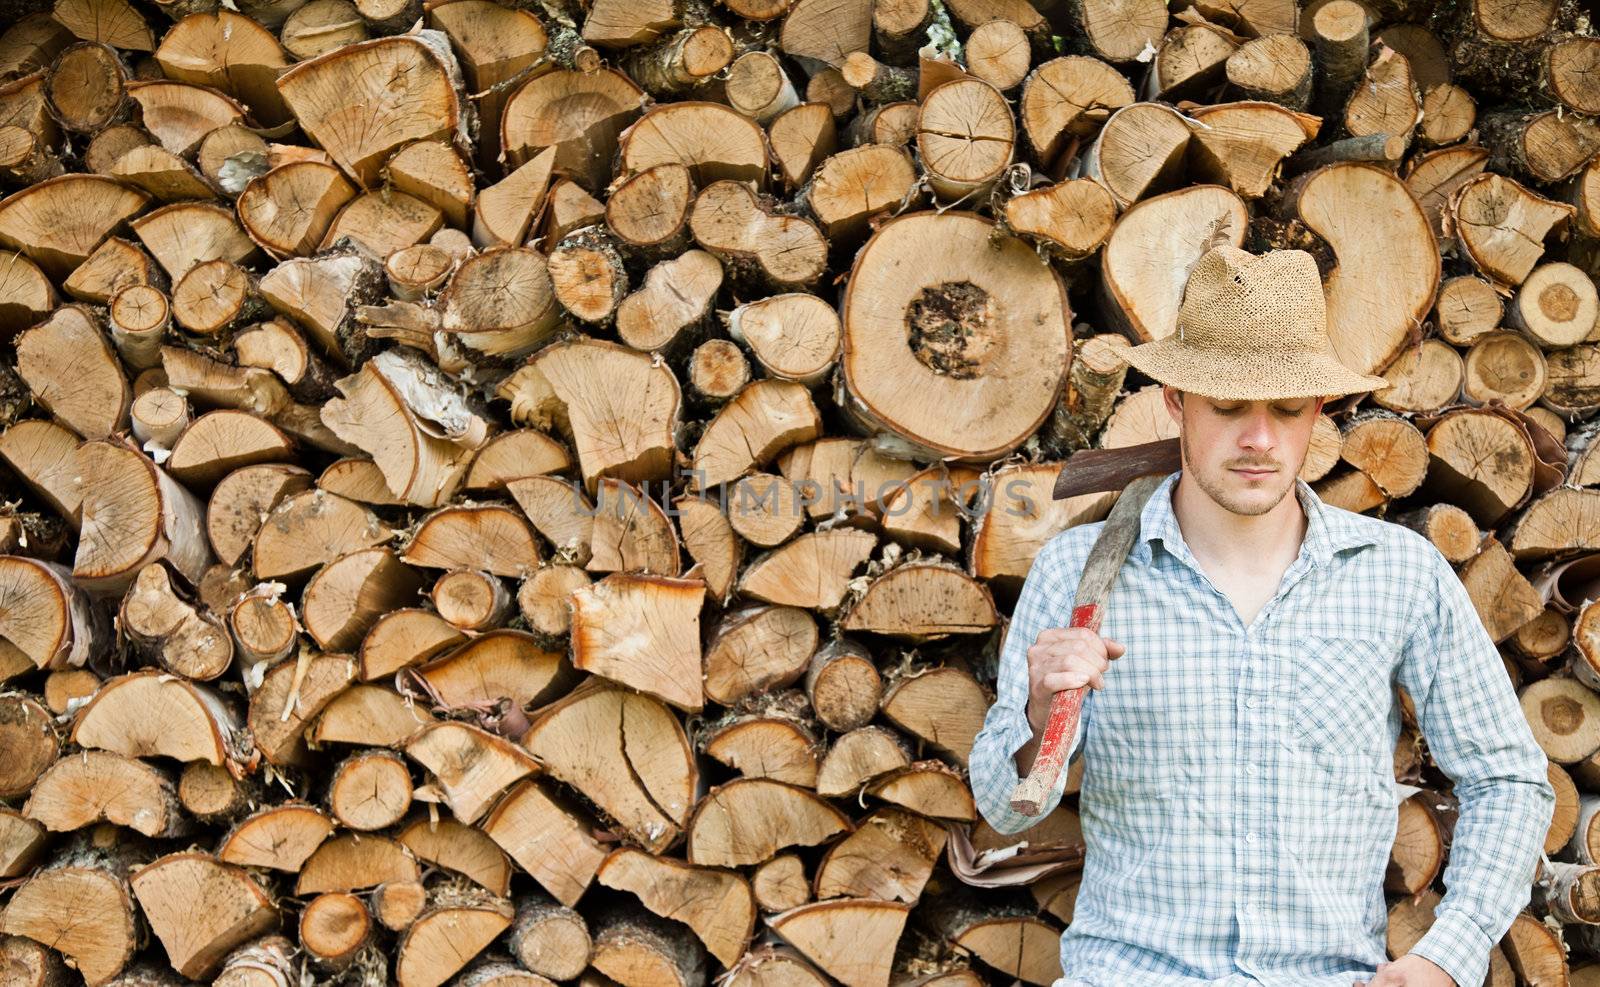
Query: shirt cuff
x,y
1457,946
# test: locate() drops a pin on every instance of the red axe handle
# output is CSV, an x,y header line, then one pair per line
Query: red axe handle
x,y
1065,708
1106,556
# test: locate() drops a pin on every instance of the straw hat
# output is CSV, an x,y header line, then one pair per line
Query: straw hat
x,y
1251,328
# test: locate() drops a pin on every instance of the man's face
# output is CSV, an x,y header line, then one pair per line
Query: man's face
x,y
1244,454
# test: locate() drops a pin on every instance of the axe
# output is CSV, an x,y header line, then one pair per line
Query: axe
x,y
1136,471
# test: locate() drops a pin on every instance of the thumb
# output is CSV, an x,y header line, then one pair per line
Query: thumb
x,y
1113,648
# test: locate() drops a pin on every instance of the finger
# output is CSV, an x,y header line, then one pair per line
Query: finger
x,y
1114,649
1063,681
1051,635
1097,681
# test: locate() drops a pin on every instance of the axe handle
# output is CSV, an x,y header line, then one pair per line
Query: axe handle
x,y
1066,707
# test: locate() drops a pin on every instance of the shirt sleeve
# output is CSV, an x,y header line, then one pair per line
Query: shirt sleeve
x,y
1472,720
1045,601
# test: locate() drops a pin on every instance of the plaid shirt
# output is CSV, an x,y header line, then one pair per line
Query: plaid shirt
x,y
1238,800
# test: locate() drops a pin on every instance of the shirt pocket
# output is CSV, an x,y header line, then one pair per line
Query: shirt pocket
x,y
1344,693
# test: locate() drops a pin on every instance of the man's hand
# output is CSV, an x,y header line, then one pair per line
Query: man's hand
x,y
1409,971
1065,658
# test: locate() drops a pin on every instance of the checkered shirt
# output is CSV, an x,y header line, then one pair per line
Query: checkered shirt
x,y
1238,799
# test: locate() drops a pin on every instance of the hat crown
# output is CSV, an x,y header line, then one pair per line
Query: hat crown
x,y
1235,300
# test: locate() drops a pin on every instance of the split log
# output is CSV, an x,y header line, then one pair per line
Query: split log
x,y
232,909
717,905
645,781
81,904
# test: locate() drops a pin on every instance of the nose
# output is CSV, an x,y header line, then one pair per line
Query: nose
x,y
1257,434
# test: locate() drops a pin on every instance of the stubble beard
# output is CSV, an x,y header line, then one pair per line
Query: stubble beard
x,y
1225,498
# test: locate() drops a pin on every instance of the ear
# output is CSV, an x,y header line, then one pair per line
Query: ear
x,y
1173,399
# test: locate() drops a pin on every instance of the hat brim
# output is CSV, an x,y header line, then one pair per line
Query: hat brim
x,y
1252,376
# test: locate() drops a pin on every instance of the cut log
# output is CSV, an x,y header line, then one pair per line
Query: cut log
x,y
672,305
46,619
281,837
60,221
1275,68
1137,291
419,463
1562,522
821,931
716,905
645,779
770,737
455,927
461,849
491,538
1503,597
201,909
309,529
854,188
550,939
353,862
185,234
472,766
889,856
1339,203
346,596
365,714
1557,305
813,570
622,430
73,373
754,243
899,604
1488,489
547,839
334,927
793,336
212,794
1068,99
748,820
1139,151
540,114
322,93
642,631
756,649
1500,225
81,905
290,695
289,209
370,790
1450,529
801,137
928,788
635,948
144,714
499,665
1241,144
182,638
946,320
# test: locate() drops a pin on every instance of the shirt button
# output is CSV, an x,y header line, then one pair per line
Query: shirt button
x,y
1249,769
1249,837
1250,702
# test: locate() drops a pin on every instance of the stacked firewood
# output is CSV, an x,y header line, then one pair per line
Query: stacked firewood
x,y
512,493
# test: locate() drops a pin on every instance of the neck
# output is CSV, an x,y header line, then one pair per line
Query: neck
x,y
1216,534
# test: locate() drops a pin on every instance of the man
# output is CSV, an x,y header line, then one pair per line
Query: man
x,y
1238,800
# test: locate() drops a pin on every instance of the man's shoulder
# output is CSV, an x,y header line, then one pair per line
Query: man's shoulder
x,y
1068,549
1393,540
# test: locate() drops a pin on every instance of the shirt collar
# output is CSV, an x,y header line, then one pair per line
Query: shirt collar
x,y
1328,529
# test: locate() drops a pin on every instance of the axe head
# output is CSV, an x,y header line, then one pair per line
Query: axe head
x,y
1098,470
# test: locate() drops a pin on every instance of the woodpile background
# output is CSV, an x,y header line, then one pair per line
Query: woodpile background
x,y
527,493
